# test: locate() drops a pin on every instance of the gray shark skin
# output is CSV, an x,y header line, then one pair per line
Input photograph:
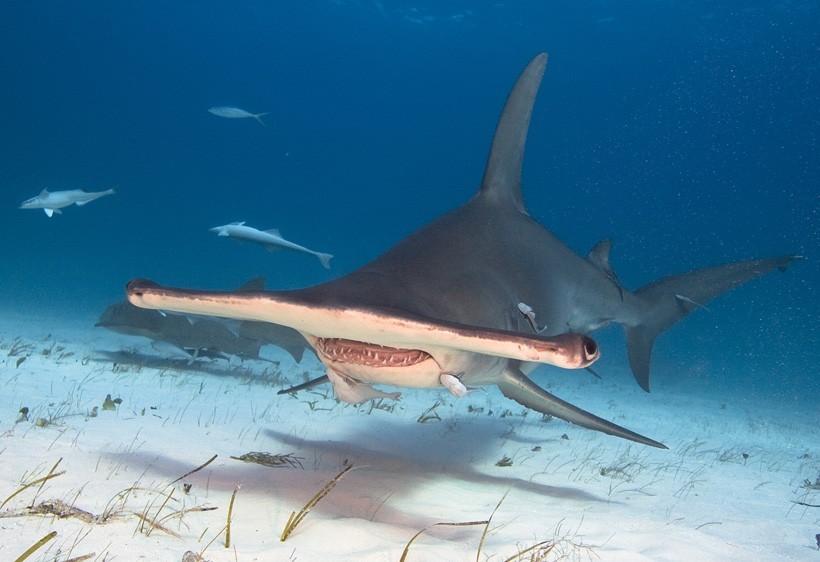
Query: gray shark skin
x,y
479,296
52,201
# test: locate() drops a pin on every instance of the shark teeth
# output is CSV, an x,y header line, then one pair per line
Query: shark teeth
x,y
340,350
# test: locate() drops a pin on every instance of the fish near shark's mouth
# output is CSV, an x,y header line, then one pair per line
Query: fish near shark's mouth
x,y
339,350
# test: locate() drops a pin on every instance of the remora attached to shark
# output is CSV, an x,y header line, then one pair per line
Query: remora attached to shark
x,y
458,302
52,201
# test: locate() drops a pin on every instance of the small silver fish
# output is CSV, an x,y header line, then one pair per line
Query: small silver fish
x,y
231,112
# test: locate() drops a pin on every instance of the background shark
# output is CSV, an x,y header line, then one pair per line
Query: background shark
x,y
207,336
444,306
52,201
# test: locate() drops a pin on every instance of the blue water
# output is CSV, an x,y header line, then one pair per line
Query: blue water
x,y
686,131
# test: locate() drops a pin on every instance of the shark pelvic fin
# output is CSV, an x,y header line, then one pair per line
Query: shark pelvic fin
x,y
516,386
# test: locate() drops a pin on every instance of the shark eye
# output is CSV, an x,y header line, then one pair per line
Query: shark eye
x,y
590,347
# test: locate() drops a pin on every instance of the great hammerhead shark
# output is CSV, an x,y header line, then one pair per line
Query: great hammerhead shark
x,y
479,296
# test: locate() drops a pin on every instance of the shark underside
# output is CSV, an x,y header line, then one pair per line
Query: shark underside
x,y
480,296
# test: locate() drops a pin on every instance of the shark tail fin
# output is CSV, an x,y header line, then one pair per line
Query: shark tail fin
x,y
258,117
325,259
502,176
672,298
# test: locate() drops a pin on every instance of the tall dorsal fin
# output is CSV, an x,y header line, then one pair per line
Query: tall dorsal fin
x,y
502,177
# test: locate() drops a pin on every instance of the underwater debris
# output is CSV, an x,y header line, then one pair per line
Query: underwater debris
x,y
33,548
109,404
504,461
430,414
296,518
811,486
23,414
406,551
269,459
18,347
197,469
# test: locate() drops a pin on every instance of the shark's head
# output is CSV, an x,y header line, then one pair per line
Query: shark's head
x,y
373,344
32,203
35,202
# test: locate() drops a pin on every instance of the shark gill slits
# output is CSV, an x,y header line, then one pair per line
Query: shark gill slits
x,y
368,354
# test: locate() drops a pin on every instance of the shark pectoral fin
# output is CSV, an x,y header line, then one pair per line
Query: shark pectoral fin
x,y
50,212
516,386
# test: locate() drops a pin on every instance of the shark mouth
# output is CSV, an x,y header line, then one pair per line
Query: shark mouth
x,y
339,350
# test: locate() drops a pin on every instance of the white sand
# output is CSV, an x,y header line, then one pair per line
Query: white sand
x,y
724,491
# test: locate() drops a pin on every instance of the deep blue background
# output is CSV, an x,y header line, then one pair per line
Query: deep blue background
x,y
687,132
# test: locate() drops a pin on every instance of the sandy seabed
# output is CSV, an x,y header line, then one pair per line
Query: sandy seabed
x,y
121,479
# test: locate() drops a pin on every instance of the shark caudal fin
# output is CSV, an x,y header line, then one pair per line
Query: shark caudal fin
x,y
258,117
670,299
325,259
502,176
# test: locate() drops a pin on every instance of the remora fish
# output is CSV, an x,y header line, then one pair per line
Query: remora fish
x,y
271,239
442,307
52,201
231,112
